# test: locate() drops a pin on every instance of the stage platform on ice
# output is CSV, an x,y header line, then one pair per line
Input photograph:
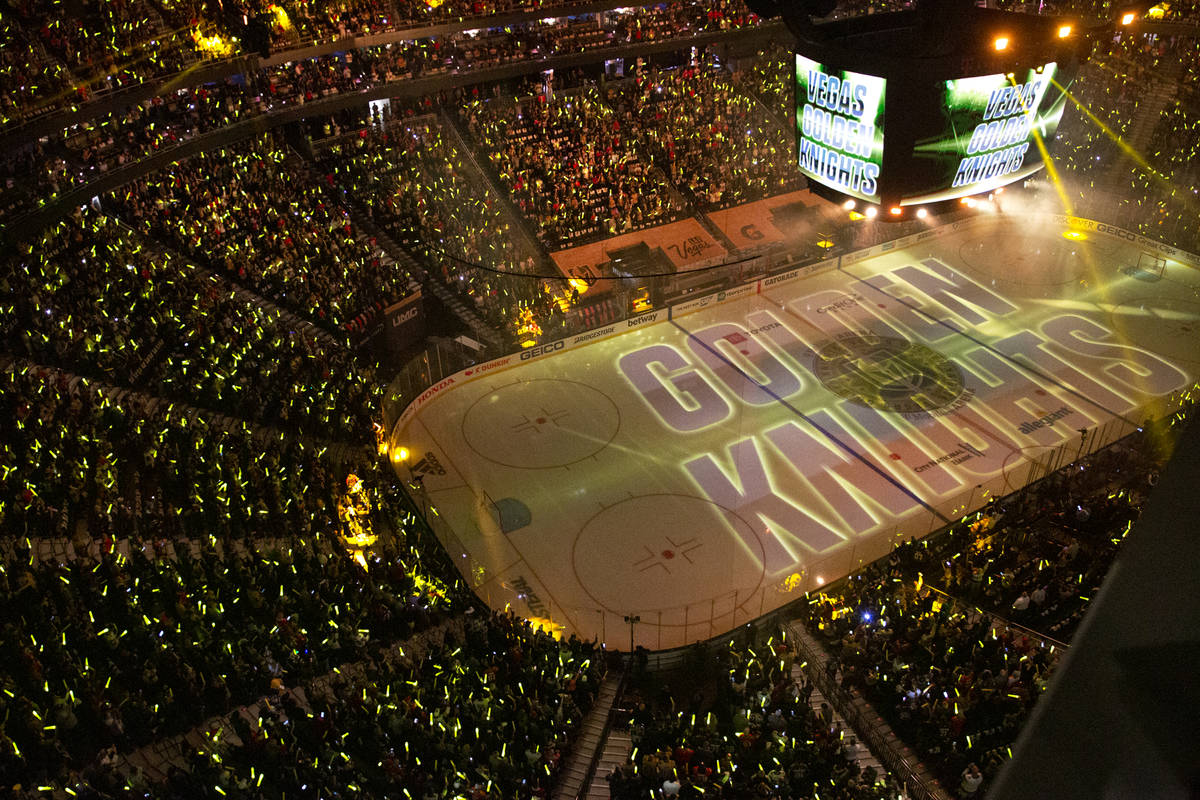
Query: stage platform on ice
x,y
699,466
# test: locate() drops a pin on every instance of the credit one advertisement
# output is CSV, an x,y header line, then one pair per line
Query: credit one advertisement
x,y
991,127
839,128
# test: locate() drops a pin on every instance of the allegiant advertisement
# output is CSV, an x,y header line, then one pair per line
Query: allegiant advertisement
x,y
992,124
839,128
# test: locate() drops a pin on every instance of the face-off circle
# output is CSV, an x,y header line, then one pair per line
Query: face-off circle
x,y
887,373
626,566
541,424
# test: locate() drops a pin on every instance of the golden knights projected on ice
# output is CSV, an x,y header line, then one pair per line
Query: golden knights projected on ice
x,y
798,467
839,119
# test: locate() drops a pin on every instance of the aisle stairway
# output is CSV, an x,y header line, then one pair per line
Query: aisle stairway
x,y
862,754
617,749
366,230
1156,98
524,227
590,739
868,726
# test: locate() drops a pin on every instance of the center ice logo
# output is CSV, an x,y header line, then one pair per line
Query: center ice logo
x,y
888,374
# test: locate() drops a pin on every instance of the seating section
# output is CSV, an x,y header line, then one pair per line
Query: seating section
x,y
951,682
750,729
575,167
253,213
715,142
30,80
1141,170
92,297
953,639
415,180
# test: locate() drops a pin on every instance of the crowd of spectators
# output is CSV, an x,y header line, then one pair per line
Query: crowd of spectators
x,y
86,150
120,650
752,733
770,77
590,162
29,78
1083,151
1041,561
712,140
92,297
416,182
953,639
489,714
34,80
82,460
149,620
1142,169
1167,192
107,45
253,213
573,165
952,682
296,22
161,570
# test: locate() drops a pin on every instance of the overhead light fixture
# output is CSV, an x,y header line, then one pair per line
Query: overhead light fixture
x,y
1001,42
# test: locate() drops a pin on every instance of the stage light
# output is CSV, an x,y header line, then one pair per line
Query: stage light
x,y
1128,17
1064,31
895,211
849,205
872,211
1000,43
400,454
922,213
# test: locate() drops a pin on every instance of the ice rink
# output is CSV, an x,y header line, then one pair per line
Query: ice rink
x,y
701,467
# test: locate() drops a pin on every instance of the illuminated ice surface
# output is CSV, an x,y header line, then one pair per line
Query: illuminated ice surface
x,y
700,471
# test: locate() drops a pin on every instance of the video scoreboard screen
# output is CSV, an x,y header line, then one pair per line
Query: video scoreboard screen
x,y
839,127
989,135
946,138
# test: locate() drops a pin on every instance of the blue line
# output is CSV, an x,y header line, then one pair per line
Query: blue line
x,y
827,434
1033,369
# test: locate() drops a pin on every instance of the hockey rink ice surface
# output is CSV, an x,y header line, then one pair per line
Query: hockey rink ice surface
x,y
700,468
